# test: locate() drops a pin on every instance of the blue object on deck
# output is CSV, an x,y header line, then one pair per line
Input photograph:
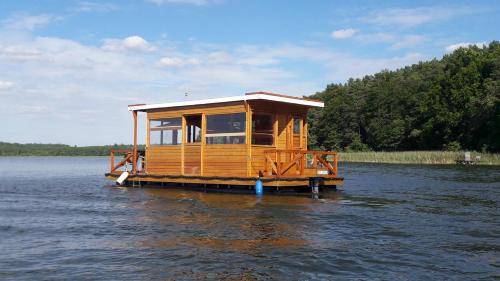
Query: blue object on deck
x,y
259,189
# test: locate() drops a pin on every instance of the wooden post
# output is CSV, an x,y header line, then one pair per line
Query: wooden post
x,y
335,164
183,143
148,143
248,137
134,157
202,144
112,161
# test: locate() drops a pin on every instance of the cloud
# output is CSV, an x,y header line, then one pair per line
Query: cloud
x,y
5,85
408,41
187,2
133,43
453,47
177,62
343,33
94,7
27,22
409,17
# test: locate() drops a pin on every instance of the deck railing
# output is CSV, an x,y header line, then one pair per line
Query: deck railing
x,y
126,158
286,163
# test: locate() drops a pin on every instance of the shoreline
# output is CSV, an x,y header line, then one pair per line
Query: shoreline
x,y
379,157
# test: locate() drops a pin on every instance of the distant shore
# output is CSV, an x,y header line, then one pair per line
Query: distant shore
x,y
418,157
397,157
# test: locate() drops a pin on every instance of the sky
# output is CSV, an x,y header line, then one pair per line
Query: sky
x,y
68,69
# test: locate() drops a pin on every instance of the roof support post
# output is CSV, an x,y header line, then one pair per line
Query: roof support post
x,y
134,159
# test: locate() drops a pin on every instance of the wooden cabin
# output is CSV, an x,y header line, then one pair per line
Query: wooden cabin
x,y
228,142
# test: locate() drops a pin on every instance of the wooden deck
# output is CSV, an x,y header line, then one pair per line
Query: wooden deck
x,y
243,181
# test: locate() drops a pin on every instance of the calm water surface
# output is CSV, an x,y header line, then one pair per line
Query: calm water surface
x,y
60,219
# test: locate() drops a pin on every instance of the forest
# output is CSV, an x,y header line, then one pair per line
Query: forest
x,y
37,149
452,104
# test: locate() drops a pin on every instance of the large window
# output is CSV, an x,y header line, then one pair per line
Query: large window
x,y
166,131
226,128
262,129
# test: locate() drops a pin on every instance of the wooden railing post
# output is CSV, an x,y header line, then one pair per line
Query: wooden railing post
x,y
112,159
134,157
335,164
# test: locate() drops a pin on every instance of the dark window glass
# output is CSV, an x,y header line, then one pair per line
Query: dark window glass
x,y
262,129
226,128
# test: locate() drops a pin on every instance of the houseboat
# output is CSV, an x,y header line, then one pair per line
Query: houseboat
x,y
248,142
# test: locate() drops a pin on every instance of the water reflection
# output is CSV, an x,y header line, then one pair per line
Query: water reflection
x,y
229,222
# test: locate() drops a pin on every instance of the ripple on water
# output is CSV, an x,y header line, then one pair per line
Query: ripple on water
x,y
390,222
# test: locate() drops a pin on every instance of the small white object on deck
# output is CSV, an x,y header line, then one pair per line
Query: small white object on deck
x,y
122,178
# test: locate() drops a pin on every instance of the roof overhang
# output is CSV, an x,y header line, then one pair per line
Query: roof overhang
x,y
247,97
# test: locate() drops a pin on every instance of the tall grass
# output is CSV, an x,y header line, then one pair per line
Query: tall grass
x,y
417,157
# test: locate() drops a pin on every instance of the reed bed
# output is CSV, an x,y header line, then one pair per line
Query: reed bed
x,y
417,157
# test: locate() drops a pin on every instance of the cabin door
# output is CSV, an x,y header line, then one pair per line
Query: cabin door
x,y
192,145
298,133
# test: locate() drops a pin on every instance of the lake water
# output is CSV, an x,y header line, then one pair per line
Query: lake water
x,y
61,220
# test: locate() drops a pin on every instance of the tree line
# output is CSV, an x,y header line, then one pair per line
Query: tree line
x,y
451,103
37,149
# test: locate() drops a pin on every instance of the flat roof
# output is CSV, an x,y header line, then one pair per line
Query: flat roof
x,y
247,97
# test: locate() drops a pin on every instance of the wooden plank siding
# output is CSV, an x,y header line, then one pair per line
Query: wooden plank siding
x,y
192,159
225,160
164,159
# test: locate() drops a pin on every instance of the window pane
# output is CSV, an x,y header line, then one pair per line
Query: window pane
x,y
166,131
296,125
262,129
226,128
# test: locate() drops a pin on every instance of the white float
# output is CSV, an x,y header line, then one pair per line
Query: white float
x,y
122,178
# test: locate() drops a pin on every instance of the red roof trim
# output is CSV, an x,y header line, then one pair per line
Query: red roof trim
x,y
280,95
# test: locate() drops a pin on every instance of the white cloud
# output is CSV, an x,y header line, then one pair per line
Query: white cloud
x,y
408,17
94,7
133,43
177,62
19,52
27,22
409,41
395,41
189,2
453,47
4,85
343,33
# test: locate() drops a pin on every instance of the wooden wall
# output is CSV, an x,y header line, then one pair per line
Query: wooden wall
x,y
164,159
225,160
192,159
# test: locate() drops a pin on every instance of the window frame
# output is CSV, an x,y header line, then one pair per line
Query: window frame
x,y
156,129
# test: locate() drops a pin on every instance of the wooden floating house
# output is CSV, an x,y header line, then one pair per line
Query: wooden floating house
x,y
228,143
